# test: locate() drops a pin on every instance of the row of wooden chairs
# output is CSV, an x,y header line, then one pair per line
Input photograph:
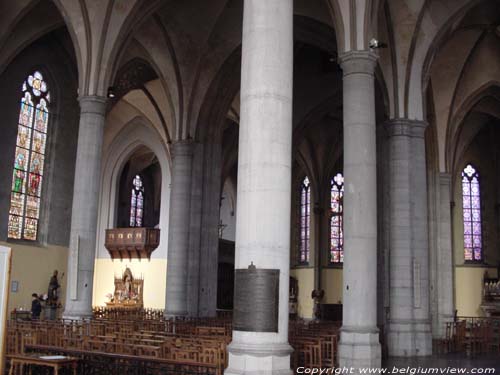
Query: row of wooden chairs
x,y
471,336
314,343
198,344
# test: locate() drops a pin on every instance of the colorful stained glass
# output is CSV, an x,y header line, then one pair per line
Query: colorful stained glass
x,y
23,137
304,220
21,160
29,159
37,84
32,207
34,185
36,163
17,204
137,202
26,112
30,229
14,227
18,181
41,117
336,212
471,214
39,142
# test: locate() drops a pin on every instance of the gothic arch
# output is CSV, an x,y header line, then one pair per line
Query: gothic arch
x,y
138,132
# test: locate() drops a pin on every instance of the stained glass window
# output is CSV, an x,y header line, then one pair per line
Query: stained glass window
x,y
471,203
137,202
29,159
304,220
336,219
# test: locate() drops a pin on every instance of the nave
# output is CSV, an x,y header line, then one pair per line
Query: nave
x,y
138,342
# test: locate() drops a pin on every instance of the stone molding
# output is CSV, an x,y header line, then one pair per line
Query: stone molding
x,y
93,104
182,148
260,350
445,179
406,127
358,62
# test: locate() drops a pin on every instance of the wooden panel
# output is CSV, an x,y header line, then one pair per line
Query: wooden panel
x,y
131,242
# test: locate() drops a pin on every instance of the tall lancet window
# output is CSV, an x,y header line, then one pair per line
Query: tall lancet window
x,y
471,198
336,219
137,202
29,161
304,220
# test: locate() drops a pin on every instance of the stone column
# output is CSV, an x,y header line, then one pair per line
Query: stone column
x,y
400,328
359,337
84,212
445,292
408,331
264,175
178,235
420,240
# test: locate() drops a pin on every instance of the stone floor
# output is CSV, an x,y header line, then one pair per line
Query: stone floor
x,y
447,360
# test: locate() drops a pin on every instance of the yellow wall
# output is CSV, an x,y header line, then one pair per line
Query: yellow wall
x,y
153,271
305,277
32,267
331,282
469,289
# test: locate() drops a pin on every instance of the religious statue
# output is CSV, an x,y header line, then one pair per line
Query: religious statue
x,y
317,295
128,291
52,293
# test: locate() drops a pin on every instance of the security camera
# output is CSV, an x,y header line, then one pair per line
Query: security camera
x,y
374,44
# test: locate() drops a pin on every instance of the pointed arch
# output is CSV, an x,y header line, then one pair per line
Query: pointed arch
x,y
304,227
471,214
28,171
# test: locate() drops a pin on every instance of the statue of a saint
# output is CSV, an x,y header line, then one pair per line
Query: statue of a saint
x,y
52,291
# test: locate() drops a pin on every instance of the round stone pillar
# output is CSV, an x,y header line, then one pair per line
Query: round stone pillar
x,y
264,177
408,332
400,330
420,240
84,212
178,235
359,337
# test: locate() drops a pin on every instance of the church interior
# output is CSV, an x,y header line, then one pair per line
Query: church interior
x,y
248,187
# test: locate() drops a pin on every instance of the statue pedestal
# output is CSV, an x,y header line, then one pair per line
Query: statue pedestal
x,y
50,312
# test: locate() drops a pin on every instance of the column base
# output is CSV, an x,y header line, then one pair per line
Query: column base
x,y
443,319
77,314
359,347
175,314
409,339
259,359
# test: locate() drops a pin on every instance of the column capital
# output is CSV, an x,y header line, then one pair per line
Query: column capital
x,y
406,127
93,104
358,62
184,147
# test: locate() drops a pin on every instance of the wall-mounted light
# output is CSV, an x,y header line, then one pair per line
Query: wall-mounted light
x,y
111,92
374,44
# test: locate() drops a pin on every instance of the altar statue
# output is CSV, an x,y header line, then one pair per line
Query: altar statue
x,y
128,291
